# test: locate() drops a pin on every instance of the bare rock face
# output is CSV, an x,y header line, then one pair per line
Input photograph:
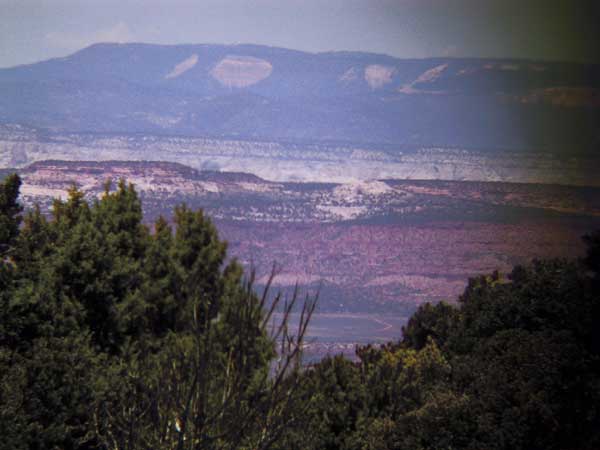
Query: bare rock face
x,y
378,76
183,67
241,71
349,75
427,77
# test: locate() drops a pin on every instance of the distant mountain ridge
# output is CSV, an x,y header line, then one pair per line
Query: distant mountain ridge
x,y
276,94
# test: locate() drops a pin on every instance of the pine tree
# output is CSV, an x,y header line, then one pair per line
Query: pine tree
x,y
10,213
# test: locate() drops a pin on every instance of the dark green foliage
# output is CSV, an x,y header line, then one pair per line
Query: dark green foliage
x,y
592,259
10,218
515,365
341,401
524,352
116,336
429,320
112,336
10,212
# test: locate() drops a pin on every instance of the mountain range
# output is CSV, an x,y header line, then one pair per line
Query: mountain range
x,y
262,93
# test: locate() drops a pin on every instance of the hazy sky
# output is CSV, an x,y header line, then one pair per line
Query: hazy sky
x,y
32,30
